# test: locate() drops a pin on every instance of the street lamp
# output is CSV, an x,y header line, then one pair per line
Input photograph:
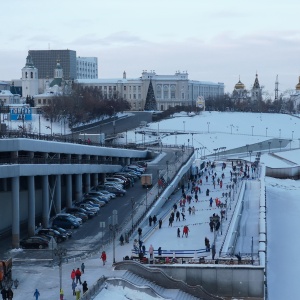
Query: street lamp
x,y
114,227
146,198
183,126
279,133
269,146
132,207
208,126
60,252
175,138
231,125
250,152
266,131
280,141
167,162
252,129
292,134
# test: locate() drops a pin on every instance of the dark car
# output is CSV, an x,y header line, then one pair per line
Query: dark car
x,y
80,215
70,210
65,222
34,242
59,237
116,190
68,233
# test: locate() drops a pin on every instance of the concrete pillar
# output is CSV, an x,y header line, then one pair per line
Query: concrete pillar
x,y
128,161
15,212
87,182
31,205
57,194
69,197
4,184
45,197
95,179
101,177
78,187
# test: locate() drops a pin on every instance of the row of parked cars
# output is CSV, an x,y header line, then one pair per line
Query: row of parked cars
x,y
89,207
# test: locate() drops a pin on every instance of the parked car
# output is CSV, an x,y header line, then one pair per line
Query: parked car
x,y
87,206
114,184
34,242
115,180
116,190
99,194
59,237
68,233
84,217
65,222
97,199
107,193
93,202
66,215
70,210
127,181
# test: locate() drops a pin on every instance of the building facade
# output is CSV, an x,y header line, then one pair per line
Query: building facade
x,y
87,67
169,90
45,61
30,79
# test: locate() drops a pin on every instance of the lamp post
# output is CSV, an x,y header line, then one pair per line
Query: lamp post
x,y
279,133
208,126
231,125
252,129
266,131
146,198
167,162
269,146
280,141
183,126
192,139
60,253
291,144
292,134
132,207
114,227
250,152
175,138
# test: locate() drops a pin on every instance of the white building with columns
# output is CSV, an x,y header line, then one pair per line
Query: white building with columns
x,y
169,90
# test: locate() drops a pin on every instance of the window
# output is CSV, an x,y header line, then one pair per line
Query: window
x,y
166,92
124,87
134,96
158,91
173,92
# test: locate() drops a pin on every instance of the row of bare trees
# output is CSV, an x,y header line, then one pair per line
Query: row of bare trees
x,y
83,105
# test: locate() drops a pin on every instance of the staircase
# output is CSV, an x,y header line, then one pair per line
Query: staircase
x,y
174,294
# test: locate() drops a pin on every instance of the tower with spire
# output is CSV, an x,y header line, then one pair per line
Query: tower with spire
x,y
256,91
30,80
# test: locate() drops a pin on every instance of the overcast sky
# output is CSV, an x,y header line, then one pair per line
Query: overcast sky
x,y
212,40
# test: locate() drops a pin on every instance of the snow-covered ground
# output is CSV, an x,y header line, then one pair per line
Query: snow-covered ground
x,y
210,130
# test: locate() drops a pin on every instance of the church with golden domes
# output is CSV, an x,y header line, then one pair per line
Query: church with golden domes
x,y
240,93
295,97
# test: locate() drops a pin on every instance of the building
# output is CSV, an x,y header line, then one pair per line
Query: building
x,y
169,90
45,61
30,80
295,97
239,93
87,67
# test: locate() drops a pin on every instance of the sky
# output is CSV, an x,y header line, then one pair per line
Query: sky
x,y
283,208
218,41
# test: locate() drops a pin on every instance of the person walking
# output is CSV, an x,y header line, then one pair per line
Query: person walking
x,y
150,221
183,216
61,294
154,219
10,294
159,223
151,250
178,232
213,251
84,287
103,257
74,287
73,275
121,240
4,293
140,232
77,292
82,268
177,216
36,294
78,276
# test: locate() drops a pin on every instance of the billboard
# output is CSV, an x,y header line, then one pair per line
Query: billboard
x,y
20,114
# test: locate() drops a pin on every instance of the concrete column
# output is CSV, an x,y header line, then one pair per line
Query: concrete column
x,y
128,161
87,182
78,187
45,197
4,184
31,205
57,194
102,177
95,179
15,212
69,190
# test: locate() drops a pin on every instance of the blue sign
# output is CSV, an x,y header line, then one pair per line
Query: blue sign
x,y
21,114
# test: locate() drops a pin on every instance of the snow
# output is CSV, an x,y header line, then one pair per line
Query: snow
x,y
283,207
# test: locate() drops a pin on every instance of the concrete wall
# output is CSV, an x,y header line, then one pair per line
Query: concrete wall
x,y
225,281
289,172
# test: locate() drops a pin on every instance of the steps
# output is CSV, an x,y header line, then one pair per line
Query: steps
x,y
173,294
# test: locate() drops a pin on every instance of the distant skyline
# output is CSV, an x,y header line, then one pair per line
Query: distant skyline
x,y
219,41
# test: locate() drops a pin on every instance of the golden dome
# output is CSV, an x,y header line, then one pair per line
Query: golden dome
x,y
298,85
239,86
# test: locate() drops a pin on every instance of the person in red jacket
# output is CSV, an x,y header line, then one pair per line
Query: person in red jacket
x,y
78,275
103,257
73,275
